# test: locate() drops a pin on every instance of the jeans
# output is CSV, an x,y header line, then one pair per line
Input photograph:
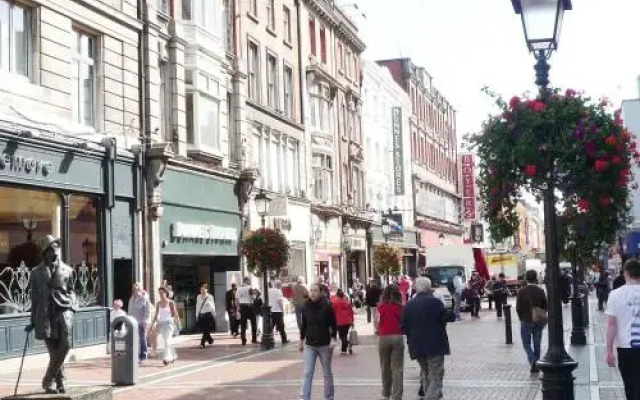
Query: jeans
x,y
475,306
457,304
142,337
629,366
277,322
391,351
432,376
233,322
501,300
299,309
165,329
343,332
529,331
325,354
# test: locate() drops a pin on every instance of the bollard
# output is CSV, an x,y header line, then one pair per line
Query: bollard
x,y
507,324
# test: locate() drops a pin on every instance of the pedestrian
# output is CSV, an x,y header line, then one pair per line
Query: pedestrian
x,y
326,291
620,280
317,340
531,306
233,310
276,302
424,325
344,319
623,311
205,315
476,286
167,321
500,293
300,297
391,343
256,296
565,287
404,285
458,288
602,289
115,312
489,290
371,298
140,309
247,314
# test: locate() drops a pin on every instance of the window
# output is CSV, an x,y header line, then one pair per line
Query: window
x,y
312,36
209,122
83,77
254,72
323,46
271,15
286,21
85,249
165,98
187,9
272,81
322,177
348,62
278,158
340,56
288,92
228,25
191,139
208,15
253,7
162,6
15,38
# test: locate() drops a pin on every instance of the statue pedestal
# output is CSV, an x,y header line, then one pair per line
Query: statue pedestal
x,y
79,393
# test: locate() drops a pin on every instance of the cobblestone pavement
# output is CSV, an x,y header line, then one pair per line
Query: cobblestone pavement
x,y
481,367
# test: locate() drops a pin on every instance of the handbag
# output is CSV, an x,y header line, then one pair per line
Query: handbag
x,y
353,337
538,314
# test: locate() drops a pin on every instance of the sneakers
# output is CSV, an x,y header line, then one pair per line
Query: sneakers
x,y
534,368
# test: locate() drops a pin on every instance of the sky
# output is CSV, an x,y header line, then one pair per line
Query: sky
x,y
468,44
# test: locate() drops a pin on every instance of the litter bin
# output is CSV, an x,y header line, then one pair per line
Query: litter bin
x,y
125,347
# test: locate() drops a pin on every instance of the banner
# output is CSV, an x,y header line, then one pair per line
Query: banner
x,y
502,260
468,187
398,164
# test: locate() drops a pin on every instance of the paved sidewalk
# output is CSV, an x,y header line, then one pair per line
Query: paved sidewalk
x,y
481,367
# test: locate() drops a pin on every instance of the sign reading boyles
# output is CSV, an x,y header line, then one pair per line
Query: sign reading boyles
x,y
468,187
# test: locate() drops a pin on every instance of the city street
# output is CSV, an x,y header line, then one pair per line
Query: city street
x,y
481,367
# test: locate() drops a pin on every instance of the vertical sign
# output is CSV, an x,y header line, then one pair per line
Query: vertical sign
x,y
468,187
398,165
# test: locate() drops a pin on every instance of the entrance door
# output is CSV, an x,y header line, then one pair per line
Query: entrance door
x,y
122,280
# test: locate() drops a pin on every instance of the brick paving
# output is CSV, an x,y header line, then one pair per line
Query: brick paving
x,y
480,367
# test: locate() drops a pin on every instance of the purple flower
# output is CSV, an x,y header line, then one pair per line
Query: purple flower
x,y
542,147
590,147
593,129
578,134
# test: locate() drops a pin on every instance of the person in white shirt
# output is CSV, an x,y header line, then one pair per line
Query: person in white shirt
x,y
276,302
205,315
623,328
115,312
247,313
458,288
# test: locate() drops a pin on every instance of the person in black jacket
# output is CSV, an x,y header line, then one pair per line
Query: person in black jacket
x,y
529,297
318,335
620,280
371,298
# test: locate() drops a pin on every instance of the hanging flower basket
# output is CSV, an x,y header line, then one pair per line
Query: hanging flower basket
x,y
265,250
387,260
579,145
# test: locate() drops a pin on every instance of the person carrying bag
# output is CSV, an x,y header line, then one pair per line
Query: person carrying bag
x,y
205,318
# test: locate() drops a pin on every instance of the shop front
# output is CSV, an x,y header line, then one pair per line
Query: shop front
x,y
356,257
327,251
199,233
407,240
87,198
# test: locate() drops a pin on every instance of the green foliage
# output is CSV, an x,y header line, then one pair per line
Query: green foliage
x,y
387,260
266,250
584,149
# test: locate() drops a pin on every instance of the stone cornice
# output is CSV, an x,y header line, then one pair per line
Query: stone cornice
x,y
334,18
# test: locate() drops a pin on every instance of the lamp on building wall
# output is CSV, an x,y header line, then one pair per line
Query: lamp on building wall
x,y
541,22
317,233
263,203
386,229
441,239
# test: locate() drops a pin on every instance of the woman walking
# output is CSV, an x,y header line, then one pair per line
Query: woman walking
x,y
166,320
391,342
205,317
344,319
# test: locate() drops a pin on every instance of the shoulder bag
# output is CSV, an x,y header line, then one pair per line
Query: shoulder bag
x,y
538,314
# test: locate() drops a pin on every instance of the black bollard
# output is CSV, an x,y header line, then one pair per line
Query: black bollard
x,y
507,324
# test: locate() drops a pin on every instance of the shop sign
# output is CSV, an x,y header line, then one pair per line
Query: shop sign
x,y
284,224
358,244
502,260
398,164
203,232
468,187
26,165
477,233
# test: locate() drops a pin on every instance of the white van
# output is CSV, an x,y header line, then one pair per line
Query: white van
x,y
444,263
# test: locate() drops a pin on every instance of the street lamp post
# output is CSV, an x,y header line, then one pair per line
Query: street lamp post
x,y
386,229
541,21
263,202
578,335
441,239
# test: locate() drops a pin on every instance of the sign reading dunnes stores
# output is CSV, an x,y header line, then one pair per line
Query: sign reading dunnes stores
x,y
398,166
204,232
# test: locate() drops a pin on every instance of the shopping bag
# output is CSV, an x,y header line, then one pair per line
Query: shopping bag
x,y
353,337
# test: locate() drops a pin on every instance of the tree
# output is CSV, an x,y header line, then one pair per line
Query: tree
x,y
387,260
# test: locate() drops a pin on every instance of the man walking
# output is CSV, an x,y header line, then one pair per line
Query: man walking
x,y
500,293
372,298
300,297
231,300
476,286
458,288
531,300
423,321
623,310
247,313
140,308
317,339
52,310
276,302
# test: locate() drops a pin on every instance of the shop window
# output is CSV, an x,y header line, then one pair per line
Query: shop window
x,y
15,38
84,247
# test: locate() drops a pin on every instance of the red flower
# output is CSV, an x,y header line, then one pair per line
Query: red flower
x,y
584,205
570,93
611,140
632,146
274,255
625,172
531,170
536,105
617,160
601,165
605,200
514,102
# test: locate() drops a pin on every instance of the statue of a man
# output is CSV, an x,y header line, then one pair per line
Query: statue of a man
x,y
52,307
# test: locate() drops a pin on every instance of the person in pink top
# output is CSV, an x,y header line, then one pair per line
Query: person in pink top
x,y
405,285
344,319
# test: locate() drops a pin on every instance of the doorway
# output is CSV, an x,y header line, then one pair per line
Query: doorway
x,y
122,281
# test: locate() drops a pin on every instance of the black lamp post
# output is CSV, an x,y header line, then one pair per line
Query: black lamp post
x,y
386,229
578,335
441,239
542,20
262,206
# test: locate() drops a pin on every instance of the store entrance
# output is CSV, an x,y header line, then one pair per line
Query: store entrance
x,y
122,281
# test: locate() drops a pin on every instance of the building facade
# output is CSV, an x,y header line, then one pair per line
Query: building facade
x,y
71,162
434,155
386,129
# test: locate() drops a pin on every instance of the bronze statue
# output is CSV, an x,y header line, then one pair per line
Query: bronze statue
x,y
52,308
